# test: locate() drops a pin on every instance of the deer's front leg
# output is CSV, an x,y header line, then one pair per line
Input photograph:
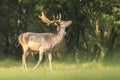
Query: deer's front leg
x,y
50,59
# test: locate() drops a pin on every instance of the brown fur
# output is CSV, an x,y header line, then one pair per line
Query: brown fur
x,y
41,42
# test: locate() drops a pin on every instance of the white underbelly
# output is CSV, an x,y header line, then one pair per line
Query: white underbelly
x,y
34,46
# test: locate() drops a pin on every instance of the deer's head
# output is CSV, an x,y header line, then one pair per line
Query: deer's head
x,y
57,22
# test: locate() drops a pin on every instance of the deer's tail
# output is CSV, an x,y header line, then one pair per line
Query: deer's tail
x,y
17,44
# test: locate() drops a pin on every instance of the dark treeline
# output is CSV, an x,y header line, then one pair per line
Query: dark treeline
x,y
93,36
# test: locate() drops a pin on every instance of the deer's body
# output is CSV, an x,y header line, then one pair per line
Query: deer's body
x,y
35,41
42,42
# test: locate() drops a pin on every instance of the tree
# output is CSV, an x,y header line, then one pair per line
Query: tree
x,y
94,34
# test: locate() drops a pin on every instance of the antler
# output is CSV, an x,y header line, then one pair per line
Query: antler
x,y
59,16
45,19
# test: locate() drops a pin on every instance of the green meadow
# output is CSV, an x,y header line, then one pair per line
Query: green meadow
x,y
90,49
12,70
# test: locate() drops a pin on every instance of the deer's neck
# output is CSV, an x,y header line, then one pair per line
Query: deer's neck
x,y
60,35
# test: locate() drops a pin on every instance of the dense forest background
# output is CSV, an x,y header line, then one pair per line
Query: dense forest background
x,y
93,36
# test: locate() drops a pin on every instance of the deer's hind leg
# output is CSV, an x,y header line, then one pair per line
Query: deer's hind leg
x,y
41,51
24,55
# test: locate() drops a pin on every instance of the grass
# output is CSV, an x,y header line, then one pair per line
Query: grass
x,y
11,70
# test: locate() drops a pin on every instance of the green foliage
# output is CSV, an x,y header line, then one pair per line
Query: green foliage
x,y
93,36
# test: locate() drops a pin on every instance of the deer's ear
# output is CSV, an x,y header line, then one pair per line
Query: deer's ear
x,y
58,28
56,24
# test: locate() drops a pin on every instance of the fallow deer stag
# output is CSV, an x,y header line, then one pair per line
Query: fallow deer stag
x,y
42,42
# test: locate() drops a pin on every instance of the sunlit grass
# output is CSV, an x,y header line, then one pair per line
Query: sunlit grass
x,y
12,70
